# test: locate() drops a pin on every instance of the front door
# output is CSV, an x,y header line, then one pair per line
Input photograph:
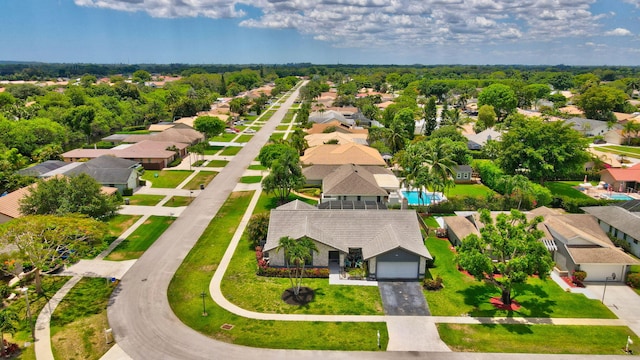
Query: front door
x,y
334,257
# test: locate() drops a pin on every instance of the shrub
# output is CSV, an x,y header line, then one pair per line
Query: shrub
x,y
127,192
626,247
431,263
4,291
433,284
175,162
573,205
284,272
633,280
578,277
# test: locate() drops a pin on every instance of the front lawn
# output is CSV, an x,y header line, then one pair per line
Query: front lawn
x,y
141,239
244,138
177,201
144,199
78,323
282,127
463,295
231,150
212,150
276,136
217,163
565,188
256,167
196,271
201,178
120,223
166,178
475,190
541,339
225,137
631,151
251,179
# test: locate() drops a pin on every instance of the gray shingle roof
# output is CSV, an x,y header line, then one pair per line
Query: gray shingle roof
x,y
374,231
104,169
621,219
352,180
42,168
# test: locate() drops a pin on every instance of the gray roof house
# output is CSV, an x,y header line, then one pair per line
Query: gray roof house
x,y
576,242
106,170
42,168
351,182
619,222
588,127
328,116
477,141
388,242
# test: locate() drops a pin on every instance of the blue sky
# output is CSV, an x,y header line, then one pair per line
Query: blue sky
x,y
572,32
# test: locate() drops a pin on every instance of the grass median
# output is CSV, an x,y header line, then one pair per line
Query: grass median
x,y
141,239
196,271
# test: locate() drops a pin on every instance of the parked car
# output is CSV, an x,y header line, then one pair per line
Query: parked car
x,y
250,131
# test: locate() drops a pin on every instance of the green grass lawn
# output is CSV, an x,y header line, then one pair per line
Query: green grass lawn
x,y
268,114
241,278
477,190
78,323
144,199
276,136
288,116
166,178
141,239
464,295
565,188
282,127
120,223
632,151
231,150
250,179
217,163
257,167
202,177
212,150
244,138
544,339
195,273
50,285
225,137
177,201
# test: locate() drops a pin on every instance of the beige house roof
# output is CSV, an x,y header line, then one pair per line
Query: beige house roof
x,y
460,226
175,133
160,127
343,138
598,255
146,149
320,128
342,154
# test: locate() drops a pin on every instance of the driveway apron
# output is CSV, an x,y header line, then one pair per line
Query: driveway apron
x,y
403,298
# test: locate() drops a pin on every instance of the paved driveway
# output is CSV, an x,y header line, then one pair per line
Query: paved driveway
x,y
620,299
403,298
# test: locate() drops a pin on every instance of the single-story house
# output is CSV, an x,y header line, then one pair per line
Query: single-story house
x,y
622,179
619,222
107,170
152,155
388,242
588,127
340,137
462,174
42,168
479,140
336,126
351,153
175,132
576,241
10,203
331,115
351,182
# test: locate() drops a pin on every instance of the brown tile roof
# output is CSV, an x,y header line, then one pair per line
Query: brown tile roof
x,y
176,133
146,149
343,138
342,154
320,128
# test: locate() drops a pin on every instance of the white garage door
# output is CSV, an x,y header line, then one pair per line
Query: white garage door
x,y
397,270
599,272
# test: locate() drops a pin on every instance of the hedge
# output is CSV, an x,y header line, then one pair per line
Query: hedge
x,y
284,272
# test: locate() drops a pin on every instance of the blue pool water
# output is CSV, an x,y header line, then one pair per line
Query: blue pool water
x,y
413,197
619,197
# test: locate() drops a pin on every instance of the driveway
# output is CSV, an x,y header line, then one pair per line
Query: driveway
x,y
403,298
621,300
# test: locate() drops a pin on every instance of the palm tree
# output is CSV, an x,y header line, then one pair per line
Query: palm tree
x,y
298,141
8,324
439,160
629,128
517,186
454,118
297,252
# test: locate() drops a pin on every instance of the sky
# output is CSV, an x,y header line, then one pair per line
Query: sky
x,y
529,32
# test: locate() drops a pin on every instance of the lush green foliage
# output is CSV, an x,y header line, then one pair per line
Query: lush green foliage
x,y
66,195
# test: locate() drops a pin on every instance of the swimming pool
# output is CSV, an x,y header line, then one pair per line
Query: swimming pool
x,y
413,197
617,197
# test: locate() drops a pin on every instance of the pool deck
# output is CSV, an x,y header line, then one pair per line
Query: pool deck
x,y
414,200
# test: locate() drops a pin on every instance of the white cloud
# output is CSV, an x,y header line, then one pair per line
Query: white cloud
x,y
396,24
633,2
618,32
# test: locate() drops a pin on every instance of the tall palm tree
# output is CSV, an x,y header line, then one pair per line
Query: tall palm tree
x,y
297,252
298,141
630,128
517,186
439,160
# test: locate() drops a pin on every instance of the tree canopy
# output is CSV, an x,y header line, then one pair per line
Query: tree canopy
x,y
501,97
285,175
209,125
507,251
542,150
67,195
598,102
